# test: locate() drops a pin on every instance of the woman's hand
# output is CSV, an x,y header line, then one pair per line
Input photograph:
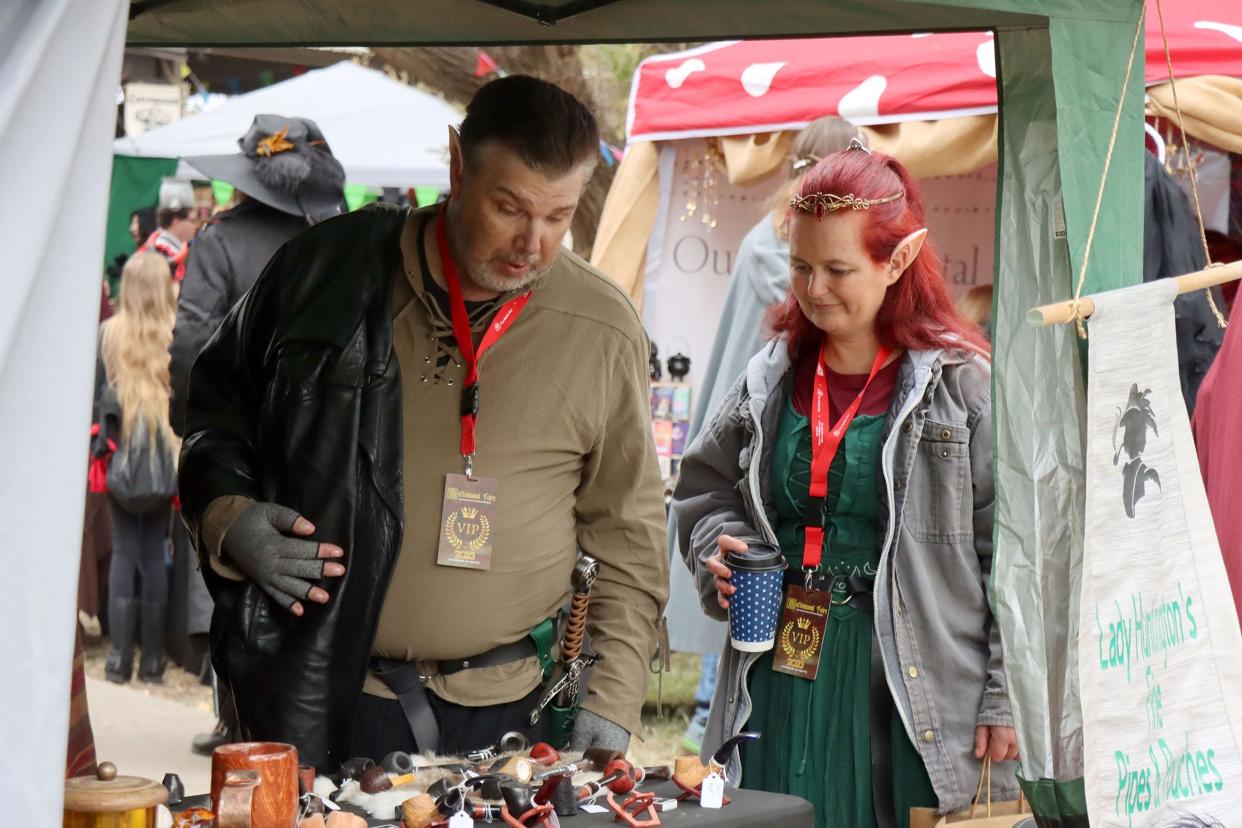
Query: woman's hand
x,y
715,565
999,742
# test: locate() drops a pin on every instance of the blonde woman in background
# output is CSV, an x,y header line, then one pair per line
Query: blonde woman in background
x,y
975,305
132,397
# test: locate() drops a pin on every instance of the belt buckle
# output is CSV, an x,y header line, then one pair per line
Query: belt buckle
x,y
848,600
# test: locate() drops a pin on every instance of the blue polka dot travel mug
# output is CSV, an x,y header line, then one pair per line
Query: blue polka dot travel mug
x,y
758,576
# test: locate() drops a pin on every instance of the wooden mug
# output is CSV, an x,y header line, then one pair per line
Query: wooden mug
x,y
275,803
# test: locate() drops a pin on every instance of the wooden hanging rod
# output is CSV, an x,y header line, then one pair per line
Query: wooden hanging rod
x,y
1059,313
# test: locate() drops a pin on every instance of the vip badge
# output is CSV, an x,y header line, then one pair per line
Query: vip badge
x,y
467,522
467,530
800,635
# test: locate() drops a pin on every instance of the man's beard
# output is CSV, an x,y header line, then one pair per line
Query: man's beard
x,y
479,271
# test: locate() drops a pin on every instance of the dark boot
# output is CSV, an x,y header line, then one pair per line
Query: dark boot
x,y
205,743
122,621
151,670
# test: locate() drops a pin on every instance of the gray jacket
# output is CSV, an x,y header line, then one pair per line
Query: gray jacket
x,y
225,259
939,645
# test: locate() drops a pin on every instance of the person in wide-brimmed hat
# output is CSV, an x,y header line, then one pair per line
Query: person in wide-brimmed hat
x,y
284,163
286,179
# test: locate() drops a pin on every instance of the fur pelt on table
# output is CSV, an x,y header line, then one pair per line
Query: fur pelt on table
x,y
428,770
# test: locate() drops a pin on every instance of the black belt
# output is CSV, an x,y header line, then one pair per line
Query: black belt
x,y
857,587
404,679
859,594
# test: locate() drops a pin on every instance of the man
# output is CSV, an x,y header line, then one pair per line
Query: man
x,y
280,187
328,437
179,220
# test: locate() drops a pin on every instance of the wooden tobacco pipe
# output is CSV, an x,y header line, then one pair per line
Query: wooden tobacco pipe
x,y
518,767
425,810
689,772
420,811
593,760
512,742
544,755
354,768
398,762
591,789
521,811
376,780
634,775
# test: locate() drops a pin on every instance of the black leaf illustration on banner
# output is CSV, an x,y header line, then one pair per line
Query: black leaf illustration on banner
x,y
1133,423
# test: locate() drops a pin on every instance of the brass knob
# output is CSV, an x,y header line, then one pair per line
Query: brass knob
x,y
106,772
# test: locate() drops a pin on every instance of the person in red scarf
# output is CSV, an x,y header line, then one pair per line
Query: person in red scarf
x,y
179,221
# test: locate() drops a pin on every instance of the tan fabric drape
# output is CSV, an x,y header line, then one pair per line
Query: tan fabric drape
x,y
751,158
630,210
1211,108
953,146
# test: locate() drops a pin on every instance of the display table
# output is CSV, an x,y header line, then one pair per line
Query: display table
x,y
748,808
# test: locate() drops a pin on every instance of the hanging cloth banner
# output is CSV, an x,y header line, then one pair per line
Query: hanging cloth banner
x,y
1160,654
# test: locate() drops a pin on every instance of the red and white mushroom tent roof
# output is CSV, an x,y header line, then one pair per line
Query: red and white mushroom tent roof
x,y
748,86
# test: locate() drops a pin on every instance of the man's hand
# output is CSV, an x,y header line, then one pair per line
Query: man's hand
x,y
591,730
265,542
999,742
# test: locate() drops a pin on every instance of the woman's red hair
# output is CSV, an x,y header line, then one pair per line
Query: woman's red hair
x,y
917,312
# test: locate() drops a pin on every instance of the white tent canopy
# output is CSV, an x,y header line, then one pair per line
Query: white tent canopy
x,y
385,133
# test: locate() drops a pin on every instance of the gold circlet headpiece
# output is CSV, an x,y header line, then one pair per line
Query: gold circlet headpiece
x,y
819,204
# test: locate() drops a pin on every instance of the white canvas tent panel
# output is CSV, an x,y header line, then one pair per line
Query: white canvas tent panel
x,y
384,132
59,63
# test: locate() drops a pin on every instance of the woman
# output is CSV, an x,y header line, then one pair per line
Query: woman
x,y
760,280
133,383
910,691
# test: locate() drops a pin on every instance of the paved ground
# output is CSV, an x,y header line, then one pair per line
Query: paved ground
x,y
145,735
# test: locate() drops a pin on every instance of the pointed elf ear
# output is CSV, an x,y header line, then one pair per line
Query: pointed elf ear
x,y
456,160
905,252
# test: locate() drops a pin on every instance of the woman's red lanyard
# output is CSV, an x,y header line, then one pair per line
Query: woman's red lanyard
x,y
503,320
824,445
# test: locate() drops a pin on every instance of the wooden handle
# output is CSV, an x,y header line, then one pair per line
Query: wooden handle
x,y
575,629
1060,313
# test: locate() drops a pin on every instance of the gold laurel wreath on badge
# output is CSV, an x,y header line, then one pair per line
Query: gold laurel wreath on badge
x,y
467,513
788,647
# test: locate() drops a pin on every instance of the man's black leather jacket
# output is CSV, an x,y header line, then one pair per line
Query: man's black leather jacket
x,y
297,400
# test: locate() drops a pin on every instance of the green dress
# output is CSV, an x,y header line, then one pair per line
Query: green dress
x,y
817,735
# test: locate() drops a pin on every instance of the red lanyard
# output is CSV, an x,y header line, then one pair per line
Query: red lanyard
x,y
824,445
502,322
